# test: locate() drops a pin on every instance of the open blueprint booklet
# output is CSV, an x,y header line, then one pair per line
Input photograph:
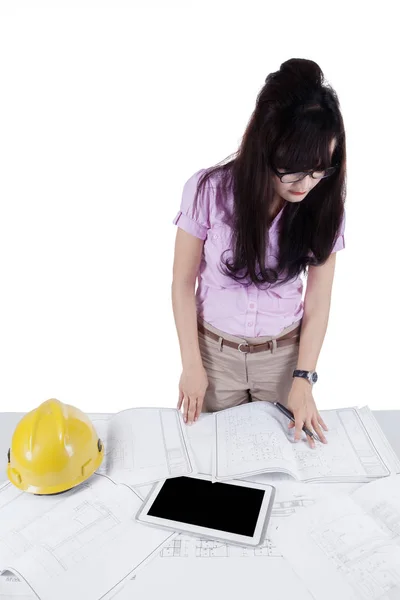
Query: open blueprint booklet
x,y
144,445
347,547
254,438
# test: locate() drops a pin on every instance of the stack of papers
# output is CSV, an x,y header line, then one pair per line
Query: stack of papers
x,y
86,544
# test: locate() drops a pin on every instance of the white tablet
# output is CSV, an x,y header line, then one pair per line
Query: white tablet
x,y
236,512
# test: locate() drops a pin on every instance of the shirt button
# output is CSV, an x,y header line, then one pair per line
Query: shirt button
x,y
250,323
251,305
215,236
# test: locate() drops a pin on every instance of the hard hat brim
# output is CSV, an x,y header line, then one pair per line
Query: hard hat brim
x,y
55,489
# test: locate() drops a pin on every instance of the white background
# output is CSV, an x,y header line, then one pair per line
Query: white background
x,y
106,109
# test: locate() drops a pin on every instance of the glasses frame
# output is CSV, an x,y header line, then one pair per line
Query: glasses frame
x,y
311,172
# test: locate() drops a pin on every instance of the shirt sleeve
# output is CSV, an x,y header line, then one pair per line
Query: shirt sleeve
x,y
195,219
340,243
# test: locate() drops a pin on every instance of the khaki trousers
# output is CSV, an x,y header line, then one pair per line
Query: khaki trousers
x,y
237,378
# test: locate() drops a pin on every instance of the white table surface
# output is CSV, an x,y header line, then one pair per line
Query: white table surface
x,y
214,578
389,420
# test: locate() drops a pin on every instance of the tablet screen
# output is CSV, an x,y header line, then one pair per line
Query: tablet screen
x,y
221,506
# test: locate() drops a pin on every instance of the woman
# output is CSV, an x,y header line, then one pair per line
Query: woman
x,y
249,230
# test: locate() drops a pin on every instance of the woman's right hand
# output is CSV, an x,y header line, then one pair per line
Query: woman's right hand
x,y
192,388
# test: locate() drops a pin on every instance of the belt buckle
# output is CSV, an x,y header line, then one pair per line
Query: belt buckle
x,y
243,344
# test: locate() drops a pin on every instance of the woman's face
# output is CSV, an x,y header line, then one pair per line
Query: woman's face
x,y
289,191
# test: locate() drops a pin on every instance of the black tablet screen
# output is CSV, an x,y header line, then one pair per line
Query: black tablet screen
x,y
230,508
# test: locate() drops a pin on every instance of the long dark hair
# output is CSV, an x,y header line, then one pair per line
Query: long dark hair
x,y
295,119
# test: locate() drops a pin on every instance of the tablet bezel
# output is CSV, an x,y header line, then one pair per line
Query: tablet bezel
x,y
215,534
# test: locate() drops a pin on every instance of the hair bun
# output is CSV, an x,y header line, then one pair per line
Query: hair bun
x,y
301,72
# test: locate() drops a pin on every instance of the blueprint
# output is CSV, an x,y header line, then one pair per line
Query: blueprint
x,y
11,587
144,445
195,443
254,438
201,437
201,565
354,540
65,546
177,557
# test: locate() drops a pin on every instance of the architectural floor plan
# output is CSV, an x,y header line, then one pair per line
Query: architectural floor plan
x,y
353,539
64,543
253,438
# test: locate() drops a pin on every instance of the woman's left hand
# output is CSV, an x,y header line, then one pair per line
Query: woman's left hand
x,y
302,405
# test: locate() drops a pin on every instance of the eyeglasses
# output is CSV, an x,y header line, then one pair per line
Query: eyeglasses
x,y
291,177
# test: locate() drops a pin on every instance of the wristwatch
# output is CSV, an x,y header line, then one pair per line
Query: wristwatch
x,y
310,375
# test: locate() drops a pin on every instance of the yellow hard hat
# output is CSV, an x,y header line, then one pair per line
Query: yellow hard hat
x,y
54,448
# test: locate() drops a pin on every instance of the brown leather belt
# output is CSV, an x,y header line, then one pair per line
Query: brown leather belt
x,y
293,337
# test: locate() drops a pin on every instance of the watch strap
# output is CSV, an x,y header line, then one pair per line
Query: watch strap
x,y
311,376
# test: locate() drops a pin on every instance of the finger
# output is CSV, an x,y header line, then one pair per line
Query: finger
x,y
291,425
310,439
185,407
198,407
318,431
192,409
180,400
299,422
322,423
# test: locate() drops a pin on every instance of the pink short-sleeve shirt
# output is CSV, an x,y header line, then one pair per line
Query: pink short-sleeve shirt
x,y
230,306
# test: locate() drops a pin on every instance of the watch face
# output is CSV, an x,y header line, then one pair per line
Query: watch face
x,y
314,377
